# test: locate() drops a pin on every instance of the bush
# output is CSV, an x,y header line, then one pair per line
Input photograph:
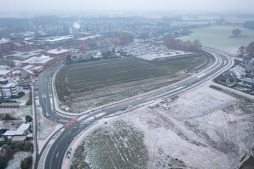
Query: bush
x,y
26,163
28,118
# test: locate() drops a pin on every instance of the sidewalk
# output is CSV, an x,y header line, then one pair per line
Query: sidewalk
x,y
232,90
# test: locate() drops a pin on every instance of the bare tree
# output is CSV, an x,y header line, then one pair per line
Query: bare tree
x,y
241,51
250,49
236,32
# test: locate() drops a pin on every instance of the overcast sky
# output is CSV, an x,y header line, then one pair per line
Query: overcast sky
x,y
173,5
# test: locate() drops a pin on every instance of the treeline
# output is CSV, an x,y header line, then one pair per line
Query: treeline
x,y
246,51
249,24
173,43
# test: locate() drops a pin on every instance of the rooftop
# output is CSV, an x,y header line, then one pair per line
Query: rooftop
x,y
3,72
57,51
25,55
90,37
20,131
57,38
38,60
3,40
10,84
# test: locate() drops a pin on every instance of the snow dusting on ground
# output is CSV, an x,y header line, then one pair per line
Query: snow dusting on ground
x,y
17,158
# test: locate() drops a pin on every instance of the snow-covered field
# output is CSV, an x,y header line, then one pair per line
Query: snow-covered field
x,y
219,37
45,126
203,128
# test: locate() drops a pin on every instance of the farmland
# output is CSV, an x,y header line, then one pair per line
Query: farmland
x,y
90,84
219,37
116,145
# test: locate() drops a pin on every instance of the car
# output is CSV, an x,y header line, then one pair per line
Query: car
x,y
47,115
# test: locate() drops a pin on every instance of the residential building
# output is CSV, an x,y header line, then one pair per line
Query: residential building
x,y
6,73
248,67
10,89
247,82
5,45
246,59
3,81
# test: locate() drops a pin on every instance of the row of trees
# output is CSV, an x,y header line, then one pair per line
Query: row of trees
x,y
249,50
173,43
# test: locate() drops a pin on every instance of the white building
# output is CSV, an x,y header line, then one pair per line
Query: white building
x,y
21,131
10,89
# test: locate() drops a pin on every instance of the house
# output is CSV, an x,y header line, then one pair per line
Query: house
x,y
247,82
236,73
248,67
4,67
23,130
246,59
6,73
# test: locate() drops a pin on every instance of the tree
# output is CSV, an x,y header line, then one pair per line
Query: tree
x,y
236,32
68,59
169,41
3,161
250,49
125,38
197,44
241,51
28,118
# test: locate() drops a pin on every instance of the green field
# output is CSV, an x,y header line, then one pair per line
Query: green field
x,y
219,37
83,82
117,146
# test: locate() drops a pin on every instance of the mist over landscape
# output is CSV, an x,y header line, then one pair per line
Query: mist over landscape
x,y
127,84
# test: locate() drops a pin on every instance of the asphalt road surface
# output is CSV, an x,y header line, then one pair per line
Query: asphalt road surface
x,y
58,149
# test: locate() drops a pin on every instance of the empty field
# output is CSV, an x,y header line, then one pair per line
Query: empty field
x,y
219,37
90,84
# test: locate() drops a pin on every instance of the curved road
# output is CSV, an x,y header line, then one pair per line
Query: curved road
x,y
58,149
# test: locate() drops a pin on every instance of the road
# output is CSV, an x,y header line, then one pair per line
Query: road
x,y
58,149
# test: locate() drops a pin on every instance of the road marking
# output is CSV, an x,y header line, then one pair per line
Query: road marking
x,y
70,122
201,75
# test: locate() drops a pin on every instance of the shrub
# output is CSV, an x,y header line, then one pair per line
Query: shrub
x,y
28,118
26,163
